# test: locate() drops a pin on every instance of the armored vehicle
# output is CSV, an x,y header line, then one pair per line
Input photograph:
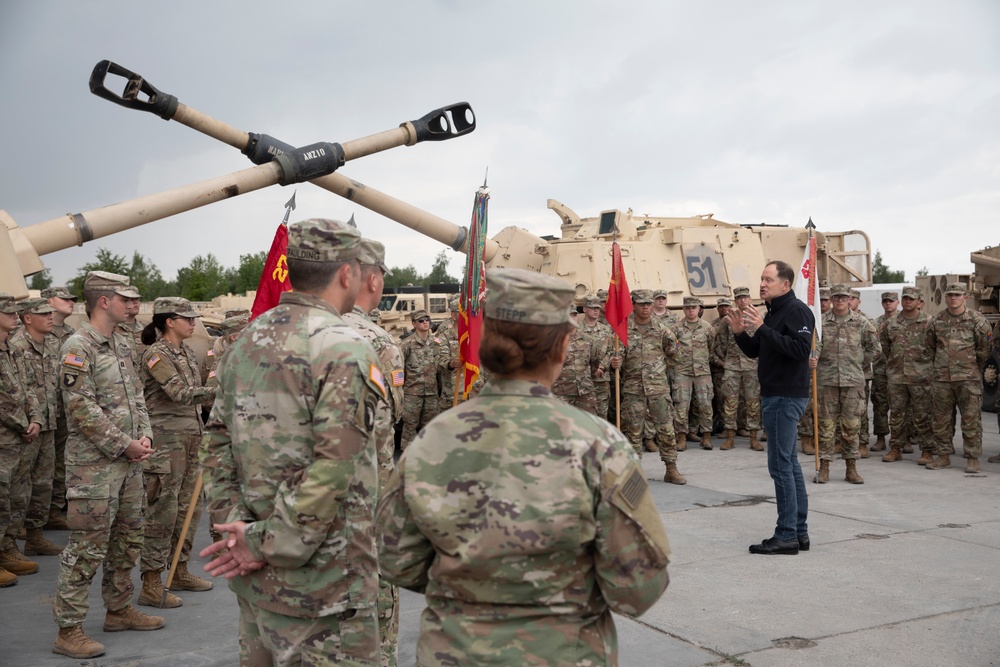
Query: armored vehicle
x,y
399,302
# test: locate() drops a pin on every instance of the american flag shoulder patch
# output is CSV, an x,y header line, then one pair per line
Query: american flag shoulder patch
x,y
211,374
210,353
397,377
74,360
375,375
153,360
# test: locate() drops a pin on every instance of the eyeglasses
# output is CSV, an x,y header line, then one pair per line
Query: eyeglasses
x,y
423,320
189,320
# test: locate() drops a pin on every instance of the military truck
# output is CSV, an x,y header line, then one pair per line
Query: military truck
x,y
983,286
399,302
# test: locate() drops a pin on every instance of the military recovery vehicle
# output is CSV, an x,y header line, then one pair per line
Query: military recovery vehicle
x,y
983,286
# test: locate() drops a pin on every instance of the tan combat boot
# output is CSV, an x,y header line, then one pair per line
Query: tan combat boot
x,y
852,475
907,448
185,581
879,445
863,451
824,472
807,444
650,445
72,642
894,454
7,578
742,433
682,442
730,435
673,475
972,465
131,618
56,521
37,545
706,440
926,456
692,437
12,560
994,459
152,592
943,461
755,442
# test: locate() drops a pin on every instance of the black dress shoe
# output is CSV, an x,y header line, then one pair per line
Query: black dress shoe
x,y
772,546
803,542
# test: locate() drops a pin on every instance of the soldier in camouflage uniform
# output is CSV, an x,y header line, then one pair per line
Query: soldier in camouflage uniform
x,y
692,379
864,431
109,437
962,343
739,378
996,403
37,352
291,465
20,424
722,307
602,338
132,328
229,330
62,302
847,344
173,393
645,389
880,383
523,520
909,369
448,332
806,429
373,272
575,383
423,354
662,314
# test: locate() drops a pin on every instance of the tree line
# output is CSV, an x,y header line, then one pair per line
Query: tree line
x,y
204,278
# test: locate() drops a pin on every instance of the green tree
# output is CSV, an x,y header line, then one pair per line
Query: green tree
x,y
439,271
104,261
246,276
923,272
203,279
401,276
148,280
41,280
882,274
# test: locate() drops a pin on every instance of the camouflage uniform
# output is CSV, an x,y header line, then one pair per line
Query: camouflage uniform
x,y
847,345
909,368
290,449
132,331
61,332
105,412
525,522
645,388
962,344
864,429
880,382
669,319
173,394
575,383
230,328
422,358
739,379
692,383
601,336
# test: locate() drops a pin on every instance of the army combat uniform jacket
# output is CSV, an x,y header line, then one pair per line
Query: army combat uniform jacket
x,y
651,349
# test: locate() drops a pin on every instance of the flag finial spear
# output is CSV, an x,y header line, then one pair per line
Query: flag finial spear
x,y
810,224
289,207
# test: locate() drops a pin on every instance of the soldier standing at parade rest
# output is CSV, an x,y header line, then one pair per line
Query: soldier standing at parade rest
x,y
739,379
652,346
864,430
782,342
575,383
523,520
848,343
423,354
722,307
880,383
174,395
692,383
390,357
20,424
109,437
601,336
132,328
37,352
962,341
62,302
229,330
291,465
909,367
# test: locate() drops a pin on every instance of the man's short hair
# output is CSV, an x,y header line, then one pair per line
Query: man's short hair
x,y
312,277
784,269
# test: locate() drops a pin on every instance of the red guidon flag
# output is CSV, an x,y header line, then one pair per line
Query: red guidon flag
x,y
274,279
619,304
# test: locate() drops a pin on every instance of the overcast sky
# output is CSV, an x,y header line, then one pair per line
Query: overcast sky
x,y
880,116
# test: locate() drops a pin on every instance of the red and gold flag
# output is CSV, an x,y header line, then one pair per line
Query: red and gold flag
x,y
274,279
619,304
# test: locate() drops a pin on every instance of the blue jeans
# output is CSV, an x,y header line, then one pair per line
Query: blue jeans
x,y
781,418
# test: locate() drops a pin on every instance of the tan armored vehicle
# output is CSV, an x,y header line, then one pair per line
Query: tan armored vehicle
x,y
397,304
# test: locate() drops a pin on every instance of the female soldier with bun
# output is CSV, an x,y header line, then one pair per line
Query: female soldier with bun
x,y
524,520
174,394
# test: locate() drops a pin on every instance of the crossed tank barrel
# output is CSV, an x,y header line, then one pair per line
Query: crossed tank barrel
x,y
445,123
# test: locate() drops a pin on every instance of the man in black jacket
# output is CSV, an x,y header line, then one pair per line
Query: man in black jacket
x,y
782,341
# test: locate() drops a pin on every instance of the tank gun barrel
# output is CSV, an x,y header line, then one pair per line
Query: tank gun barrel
x,y
438,125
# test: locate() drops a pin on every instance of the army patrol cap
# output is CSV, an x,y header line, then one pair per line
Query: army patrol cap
x,y
59,292
912,292
7,303
234,324
602,294
741,291
660,293
890,296
453,304
417,314
174,304
854,294
642,296
840,290
323,240
102,281
824,293
35,307
954,288
724,301
592,302
373,254
518,295
692,301
235,312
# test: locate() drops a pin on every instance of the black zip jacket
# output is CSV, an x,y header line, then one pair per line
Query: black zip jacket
x,y
782,345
